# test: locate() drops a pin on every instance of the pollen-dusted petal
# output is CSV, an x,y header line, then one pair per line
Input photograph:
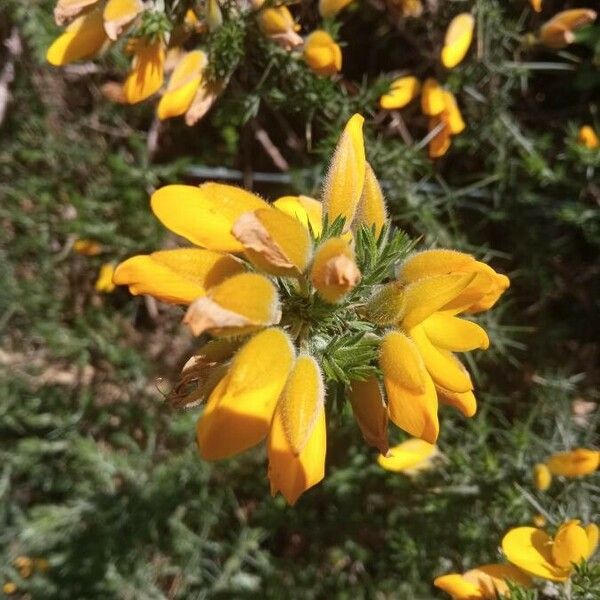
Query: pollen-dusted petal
x,y
558,32
204,215
434,262
334,272
593,535
432,98
146,76
297,441
530,549
307,210
465,402
412,400
240,409
459,36
176,276
118,14
69,9
453,116
491,579
574,463
322,54
239,305
570,545
330,8
275,242
444,368
588,137
371,208
454,334
346,177
542,477
458,587
183,85
411,456
426,296
402,91
83,38
370,412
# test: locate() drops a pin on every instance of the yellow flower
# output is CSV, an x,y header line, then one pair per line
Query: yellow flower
x,y
402,91
87,247
25,566
536,553
146,76
459,36
559,31
9,588
542,477
574,463
322,54
487,582
410,457
588,137
330,8
104,282
278,25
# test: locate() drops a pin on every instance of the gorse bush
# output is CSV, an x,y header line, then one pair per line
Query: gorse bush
x,y
481,124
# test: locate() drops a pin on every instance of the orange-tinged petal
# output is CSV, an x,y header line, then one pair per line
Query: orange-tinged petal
x,y
570,545
330,8
307,210
69,9
412,400
445,370
83,38
176,276
440,142
297,441
346,177
240,409
411,456
558,32
542,477
432,98
454,334
334,272
465,402
240,304
273,241
402,91
322,54
452,114
146,76
574,463
459,36
491,579
371,208
370,412
588,137
204,215
530,549
118,14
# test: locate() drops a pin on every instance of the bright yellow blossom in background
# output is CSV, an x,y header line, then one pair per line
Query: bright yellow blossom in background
x,y
573,463
256,263
322,54
542,477
588,137
459,36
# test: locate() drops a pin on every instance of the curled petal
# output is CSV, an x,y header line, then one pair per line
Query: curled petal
x,y
412,456
588,137
370,412
574,463
458,39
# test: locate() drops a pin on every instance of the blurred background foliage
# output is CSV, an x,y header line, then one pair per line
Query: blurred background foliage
x,y
99,477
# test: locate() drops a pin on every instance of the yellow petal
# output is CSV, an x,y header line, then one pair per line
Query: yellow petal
x,y
204,215
240,409
465,402
273,21
329,8
146,76
588,137
530,549
426,296
454,334
386,305
104,283
84,38
118,14
458,587
491,579
434,262
453,116
183,85
432,98
273,241
322,54
542,477
345,179
297,440
334,272
176,276
440,142
371,208
307,210
445,370
570,545
370,412
458,39
402,91
241,304
592,533
412,400
412,455
558,32
574,463
69,9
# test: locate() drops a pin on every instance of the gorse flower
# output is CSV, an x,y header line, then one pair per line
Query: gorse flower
x,y
459,36
588,137
297,301
410,457
574,463
540,555
322,54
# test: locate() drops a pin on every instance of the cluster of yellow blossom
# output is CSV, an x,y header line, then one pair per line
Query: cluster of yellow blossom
x,y
26,566
532,553
272,385
574,463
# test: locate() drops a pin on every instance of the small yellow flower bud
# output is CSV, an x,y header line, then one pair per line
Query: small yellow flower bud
x,y
119,14
322,54
409,457
542,478
588,137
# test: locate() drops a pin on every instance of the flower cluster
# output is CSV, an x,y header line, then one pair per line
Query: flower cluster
x,y
305,297
574,463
